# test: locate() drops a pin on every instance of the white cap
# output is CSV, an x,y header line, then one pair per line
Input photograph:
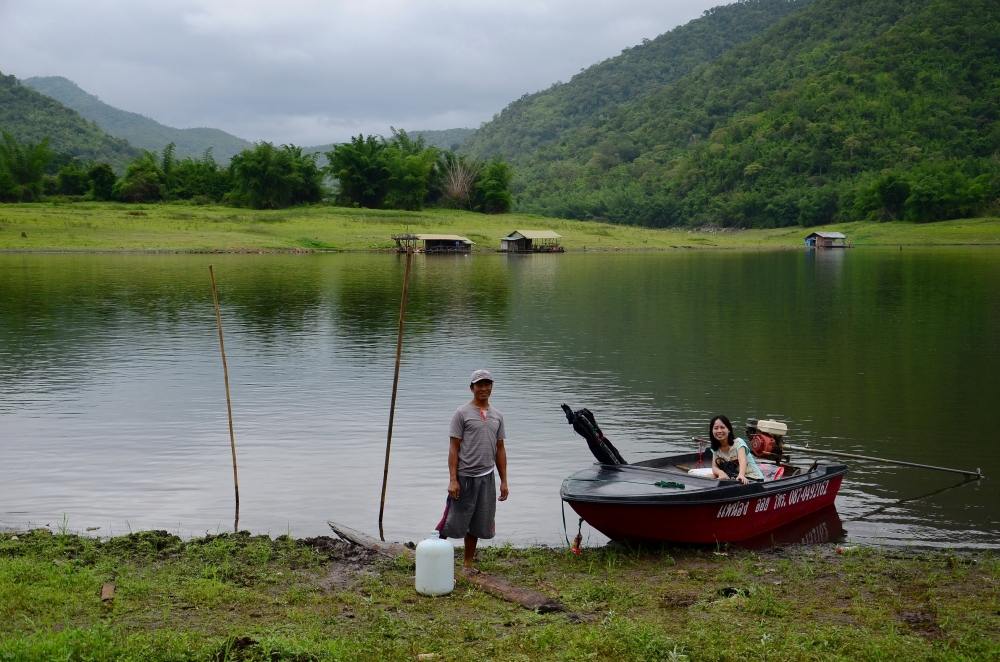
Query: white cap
x,y
480,375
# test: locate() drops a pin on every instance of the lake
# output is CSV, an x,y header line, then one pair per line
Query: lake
x,y
113,409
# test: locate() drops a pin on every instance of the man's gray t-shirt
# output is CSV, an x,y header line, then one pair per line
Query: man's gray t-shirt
x,y
479,434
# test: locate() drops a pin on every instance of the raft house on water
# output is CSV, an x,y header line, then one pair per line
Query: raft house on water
x,y
432,243
826,240
531,241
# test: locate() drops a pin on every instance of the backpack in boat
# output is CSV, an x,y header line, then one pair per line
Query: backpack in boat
x,y
585,424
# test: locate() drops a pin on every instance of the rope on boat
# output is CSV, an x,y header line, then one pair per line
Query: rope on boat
x,y
562,507
575,545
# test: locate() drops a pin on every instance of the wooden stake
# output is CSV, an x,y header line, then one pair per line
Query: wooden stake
x,y
395,383
229,403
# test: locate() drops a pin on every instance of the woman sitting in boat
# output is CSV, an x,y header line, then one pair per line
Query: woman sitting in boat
x,y
731,457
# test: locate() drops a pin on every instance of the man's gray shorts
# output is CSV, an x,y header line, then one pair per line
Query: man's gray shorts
x,y
474,512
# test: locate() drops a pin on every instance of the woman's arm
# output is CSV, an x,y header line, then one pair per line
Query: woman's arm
x,y
741,453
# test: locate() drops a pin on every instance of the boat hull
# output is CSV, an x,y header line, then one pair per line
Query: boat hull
x,y
713,515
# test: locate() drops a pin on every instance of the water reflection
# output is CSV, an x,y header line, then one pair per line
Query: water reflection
x,y
112,409
271,299
822,526
444,290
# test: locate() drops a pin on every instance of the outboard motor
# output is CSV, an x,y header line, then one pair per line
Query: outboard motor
x,y
586,426
767,438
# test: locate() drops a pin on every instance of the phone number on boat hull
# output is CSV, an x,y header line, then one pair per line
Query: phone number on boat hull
x,y
776,502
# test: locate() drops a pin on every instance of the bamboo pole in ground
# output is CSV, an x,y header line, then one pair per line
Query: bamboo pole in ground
x,y
229,403
395,383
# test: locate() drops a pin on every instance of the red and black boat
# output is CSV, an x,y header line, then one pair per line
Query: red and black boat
x,y
661,500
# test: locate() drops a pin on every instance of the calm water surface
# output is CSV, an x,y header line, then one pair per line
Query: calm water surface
x,y
113,412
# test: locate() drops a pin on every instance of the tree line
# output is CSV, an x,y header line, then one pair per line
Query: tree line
x,y
369,171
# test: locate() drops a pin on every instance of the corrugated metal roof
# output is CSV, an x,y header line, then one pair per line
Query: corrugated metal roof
x,y
829,235
443,237
534,234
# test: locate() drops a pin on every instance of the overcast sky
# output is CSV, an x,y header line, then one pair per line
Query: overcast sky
x,y
311,72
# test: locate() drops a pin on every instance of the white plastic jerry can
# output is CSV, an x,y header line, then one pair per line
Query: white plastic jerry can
x,y
435,566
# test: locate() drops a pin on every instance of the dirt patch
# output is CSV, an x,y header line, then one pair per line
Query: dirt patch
x,y
340,577
922,623
679,600
345,563
335,549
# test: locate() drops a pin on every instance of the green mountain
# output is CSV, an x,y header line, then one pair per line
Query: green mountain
x,y
834,109
31,117
138,129
530,126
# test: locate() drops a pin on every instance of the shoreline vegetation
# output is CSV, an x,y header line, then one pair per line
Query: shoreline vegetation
x,y
152,596
188,228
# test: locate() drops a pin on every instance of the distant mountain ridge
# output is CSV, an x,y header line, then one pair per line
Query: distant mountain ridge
x,y
31,117
137,129
147,133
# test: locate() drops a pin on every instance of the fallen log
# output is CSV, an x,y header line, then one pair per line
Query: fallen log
x,y
355,537
503,589
496,586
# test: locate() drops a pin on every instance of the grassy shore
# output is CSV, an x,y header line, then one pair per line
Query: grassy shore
x,y
241,597
182,227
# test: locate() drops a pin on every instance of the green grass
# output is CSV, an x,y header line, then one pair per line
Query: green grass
x,y
243,597
182,227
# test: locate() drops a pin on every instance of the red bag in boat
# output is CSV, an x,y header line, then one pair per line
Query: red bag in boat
x,y
763,444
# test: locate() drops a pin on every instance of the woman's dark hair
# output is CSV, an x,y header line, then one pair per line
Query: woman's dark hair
x,y
729,426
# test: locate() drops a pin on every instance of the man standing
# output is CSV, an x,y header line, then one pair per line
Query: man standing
x,y
477,436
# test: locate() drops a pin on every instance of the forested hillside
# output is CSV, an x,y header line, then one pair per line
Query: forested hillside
x,y
31,117
139,130
525,129
842,110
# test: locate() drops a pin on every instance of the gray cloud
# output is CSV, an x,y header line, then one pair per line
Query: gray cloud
x,y
311,72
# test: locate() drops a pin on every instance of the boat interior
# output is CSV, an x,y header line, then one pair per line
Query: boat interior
x,y
685,463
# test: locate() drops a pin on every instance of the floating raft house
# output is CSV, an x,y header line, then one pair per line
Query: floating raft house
x,y
432,243
531,241
826,240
